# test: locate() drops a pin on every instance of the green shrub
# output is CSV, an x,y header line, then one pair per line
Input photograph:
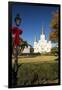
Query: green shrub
x,y
32,74
54,50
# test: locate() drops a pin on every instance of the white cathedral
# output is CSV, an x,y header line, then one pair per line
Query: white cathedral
x,y
42,46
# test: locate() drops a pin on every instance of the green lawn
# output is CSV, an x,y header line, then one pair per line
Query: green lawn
x,y
27,59
37,59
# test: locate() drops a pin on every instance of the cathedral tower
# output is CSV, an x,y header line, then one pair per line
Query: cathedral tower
x,y
42,36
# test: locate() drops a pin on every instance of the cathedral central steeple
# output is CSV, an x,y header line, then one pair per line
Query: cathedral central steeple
x,y
42,31
35,39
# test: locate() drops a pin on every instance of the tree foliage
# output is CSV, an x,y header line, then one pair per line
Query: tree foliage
x,y
55,27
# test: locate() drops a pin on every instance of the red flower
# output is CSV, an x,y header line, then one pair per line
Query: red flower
x,y
16,32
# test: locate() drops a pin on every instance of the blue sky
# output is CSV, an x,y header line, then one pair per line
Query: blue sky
x,y
33,18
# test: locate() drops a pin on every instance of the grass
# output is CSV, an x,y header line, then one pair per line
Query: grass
x,y
27,59
37,59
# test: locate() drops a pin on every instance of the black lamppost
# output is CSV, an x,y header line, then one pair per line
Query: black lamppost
x,y
18,20
16,31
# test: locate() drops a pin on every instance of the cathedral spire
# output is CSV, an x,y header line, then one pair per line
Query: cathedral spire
x,y
42,31
35,39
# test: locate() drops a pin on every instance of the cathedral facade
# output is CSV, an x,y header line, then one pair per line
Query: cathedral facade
x,y
42,46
